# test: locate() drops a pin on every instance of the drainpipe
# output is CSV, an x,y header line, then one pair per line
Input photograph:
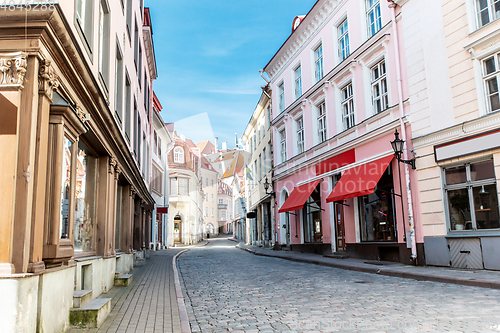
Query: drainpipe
x,y
403,133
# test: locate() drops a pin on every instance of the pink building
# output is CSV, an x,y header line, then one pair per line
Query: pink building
x,y
339,94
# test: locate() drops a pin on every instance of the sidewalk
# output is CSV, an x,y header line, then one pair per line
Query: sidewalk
x,y
150,303
477,278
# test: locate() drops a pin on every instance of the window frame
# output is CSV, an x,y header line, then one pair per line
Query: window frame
x,y
300,135
298,81
283,145
281,96
347,102
491,12
488,77
321,123
377,23
378,83
343,36
318,63
178,153
469,185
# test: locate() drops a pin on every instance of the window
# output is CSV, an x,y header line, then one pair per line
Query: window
x,y
173,186
155,138
471,195
347,107
212,198
380,98
206,211
119,85
156,184
258,135
281,94
212,183
223,215
322,136
221,201
298,82
213,212
183,186
128,105
487,11
104,43
179,155
206,182
300,135
270,159
343,34
490,76
269,116
377,211
136,47
313,231
318,63
84,10
206,197
129,19
85,197
264,170
260,166
373,16
159,147
283,145
139,74
138,141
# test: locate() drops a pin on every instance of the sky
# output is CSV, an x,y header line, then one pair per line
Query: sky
x,y
208,55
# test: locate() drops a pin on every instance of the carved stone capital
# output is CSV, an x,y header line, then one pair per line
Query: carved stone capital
x,y
13,69
133,191
112,165
82,114
47,79
118,171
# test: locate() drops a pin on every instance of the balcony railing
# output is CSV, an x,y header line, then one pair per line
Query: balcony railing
x,y
221,206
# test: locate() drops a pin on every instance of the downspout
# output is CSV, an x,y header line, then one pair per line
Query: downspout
x,y
403,133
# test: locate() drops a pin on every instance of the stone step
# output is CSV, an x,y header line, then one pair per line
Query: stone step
x,y
92,314
123,280
81,297
118,273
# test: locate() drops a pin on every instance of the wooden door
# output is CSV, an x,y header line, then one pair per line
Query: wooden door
x,y
340,227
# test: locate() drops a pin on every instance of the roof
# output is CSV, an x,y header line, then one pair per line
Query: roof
x,y
236,166
206,147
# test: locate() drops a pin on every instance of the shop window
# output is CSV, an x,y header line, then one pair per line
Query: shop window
x,y
85,196
313,229
377,212
471,195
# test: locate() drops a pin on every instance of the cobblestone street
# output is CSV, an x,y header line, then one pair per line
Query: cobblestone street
x,y
230,290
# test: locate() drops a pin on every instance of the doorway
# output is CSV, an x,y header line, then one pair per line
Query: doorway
x,y
340,227
177,229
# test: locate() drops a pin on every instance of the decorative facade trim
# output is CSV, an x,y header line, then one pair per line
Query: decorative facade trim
x,y
112,165
48,81
80,112
13,69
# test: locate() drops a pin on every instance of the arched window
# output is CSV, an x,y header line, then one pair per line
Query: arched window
x,y
178,155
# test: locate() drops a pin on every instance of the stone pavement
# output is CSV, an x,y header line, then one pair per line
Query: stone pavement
x,y
229,290
149,304
477,278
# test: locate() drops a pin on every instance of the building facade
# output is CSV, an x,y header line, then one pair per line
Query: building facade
x,y
75,103
161,145
455,125
224,208
340,92
185,193
210,179
258,143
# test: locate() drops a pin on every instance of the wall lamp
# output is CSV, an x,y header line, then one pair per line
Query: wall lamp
x,y
397,146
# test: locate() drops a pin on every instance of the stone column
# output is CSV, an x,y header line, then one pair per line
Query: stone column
x,y
112,180
127,218
47,83
13,68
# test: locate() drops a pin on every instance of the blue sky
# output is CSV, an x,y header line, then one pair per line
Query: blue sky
x,y
209,54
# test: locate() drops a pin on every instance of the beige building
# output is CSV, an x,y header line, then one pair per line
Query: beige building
x,y
453,70
257,139
185,192
75,98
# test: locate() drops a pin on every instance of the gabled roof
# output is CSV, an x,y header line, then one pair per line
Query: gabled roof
x,y
236,166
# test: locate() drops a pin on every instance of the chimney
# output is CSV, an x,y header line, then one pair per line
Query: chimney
x,y
216,144
224,146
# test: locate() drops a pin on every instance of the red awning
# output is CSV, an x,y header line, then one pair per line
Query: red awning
x,y
161,210
299,196
360,180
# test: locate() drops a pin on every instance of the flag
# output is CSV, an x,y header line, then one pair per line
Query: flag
x,y
249,173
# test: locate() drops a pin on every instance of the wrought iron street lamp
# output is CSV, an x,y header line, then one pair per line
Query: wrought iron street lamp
x,y
266,187
397,146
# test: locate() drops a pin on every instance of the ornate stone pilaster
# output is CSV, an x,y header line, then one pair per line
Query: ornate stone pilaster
x,y
132,191
13,69
48,81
